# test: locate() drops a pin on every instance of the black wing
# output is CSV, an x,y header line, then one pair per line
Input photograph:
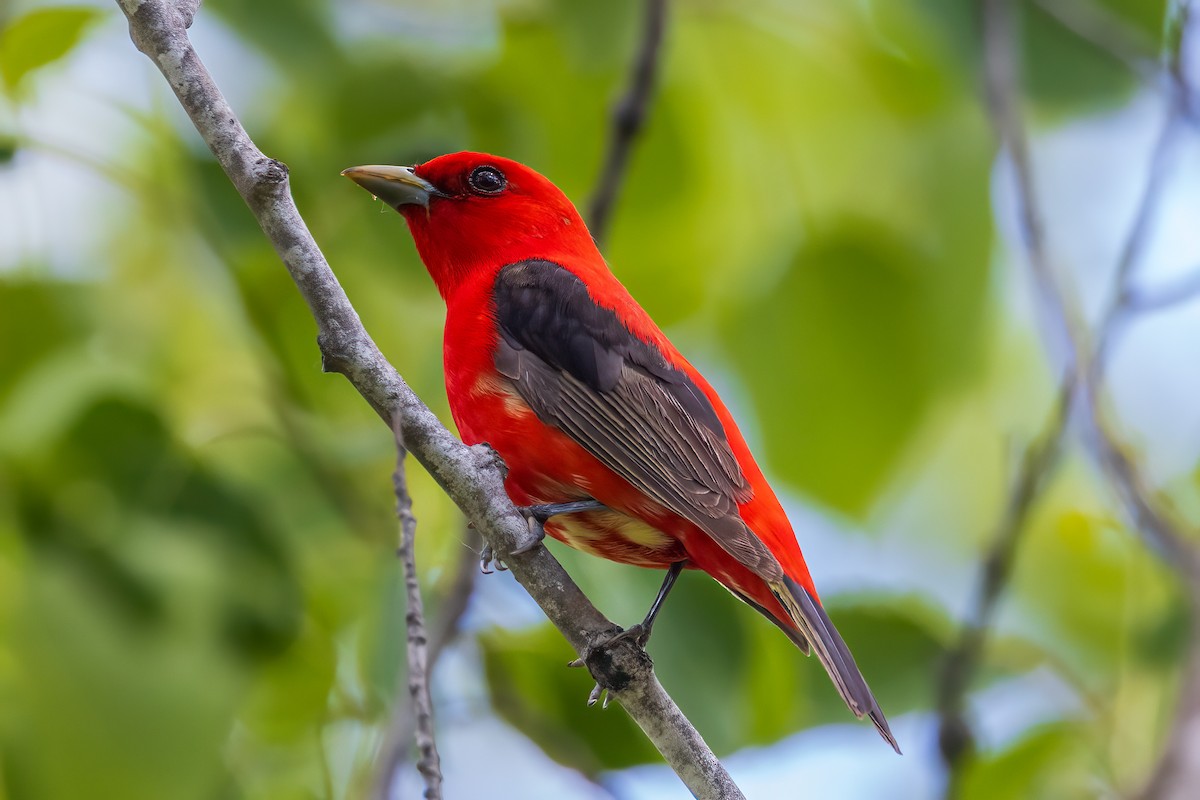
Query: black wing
x,y
580,369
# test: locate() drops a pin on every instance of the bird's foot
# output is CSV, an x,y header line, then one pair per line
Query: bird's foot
x,y
537,515
536,530
535,518
488,557
639,634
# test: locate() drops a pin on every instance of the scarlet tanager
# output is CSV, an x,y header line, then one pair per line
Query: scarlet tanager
x,y
550,361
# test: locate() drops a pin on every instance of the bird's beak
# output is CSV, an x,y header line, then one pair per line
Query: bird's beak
x,y
396,186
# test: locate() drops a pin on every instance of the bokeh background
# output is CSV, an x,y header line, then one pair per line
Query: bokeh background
x,y
198,595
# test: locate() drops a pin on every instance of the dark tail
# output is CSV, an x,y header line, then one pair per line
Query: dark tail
x,y
814,624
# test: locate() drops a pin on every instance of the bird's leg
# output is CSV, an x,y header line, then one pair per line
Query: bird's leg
x,y
640,633
536,517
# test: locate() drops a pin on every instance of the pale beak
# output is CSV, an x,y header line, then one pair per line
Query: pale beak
x,y
396,186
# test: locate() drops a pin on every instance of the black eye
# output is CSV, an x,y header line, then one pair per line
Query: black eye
x,y
487,180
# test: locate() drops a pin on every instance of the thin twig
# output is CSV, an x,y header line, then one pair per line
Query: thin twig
x,y
628,118
1062,306
955,737
1156,522
1147,210
429,762
402,726
1177,773
1169,294
472,476
1095,23
1121,309
1041,457
1058,308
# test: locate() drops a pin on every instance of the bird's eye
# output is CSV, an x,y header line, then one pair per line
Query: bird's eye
x,y
487,180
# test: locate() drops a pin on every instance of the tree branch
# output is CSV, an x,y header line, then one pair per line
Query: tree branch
x,y
1056,305
628,118
472,476
1168,295
402,728
955,738
1178,773
419,668
1095,23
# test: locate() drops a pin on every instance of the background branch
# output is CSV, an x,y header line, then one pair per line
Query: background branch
x,y
1178,773
419,669
402,728
1094,23
955,738
956,741
628,118
1176,292
471,476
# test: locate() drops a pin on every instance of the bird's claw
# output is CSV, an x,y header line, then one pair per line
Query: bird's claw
x,y
597,694
535,530
487,557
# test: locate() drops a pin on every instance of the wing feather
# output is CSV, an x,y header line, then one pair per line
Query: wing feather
x,y
580,369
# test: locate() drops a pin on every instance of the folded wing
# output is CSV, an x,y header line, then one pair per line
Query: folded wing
x,y
580,369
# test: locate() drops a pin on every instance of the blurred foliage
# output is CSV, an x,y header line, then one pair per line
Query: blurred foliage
x,y
1042,766
196,593
39,38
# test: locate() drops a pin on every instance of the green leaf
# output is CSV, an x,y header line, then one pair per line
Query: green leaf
x,y
845,353
1045,764
41,37
291,693
1131,608
854,297
8,148
58,312
139,717
1062,70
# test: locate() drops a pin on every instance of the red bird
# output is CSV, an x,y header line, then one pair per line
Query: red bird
x,y
550,361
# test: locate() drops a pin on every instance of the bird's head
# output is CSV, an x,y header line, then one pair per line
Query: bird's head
x,y
472,212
